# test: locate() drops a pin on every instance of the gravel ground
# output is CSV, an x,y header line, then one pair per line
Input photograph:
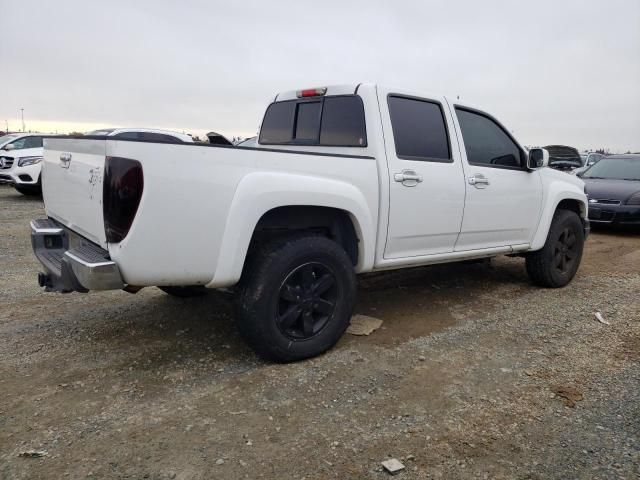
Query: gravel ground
x,y
474,374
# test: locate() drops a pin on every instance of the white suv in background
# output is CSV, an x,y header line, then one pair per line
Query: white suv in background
x,y
148,134
20,157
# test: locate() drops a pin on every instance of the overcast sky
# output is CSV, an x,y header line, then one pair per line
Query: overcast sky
x,y
552,71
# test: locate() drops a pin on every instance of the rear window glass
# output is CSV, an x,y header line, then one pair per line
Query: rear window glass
x,y
419,130
308,121
336,121
343,122
277,126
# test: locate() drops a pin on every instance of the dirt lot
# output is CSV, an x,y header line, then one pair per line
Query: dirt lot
x,y
467,378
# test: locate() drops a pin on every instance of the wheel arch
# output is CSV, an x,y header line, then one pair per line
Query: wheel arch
x,y
575,201
274,202
334,223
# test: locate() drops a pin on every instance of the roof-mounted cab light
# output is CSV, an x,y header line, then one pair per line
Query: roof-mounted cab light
x,y
312,92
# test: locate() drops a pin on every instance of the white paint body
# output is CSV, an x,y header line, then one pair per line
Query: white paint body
x,y
194,225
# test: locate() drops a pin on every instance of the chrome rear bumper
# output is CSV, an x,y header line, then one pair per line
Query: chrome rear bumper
x,y
71,263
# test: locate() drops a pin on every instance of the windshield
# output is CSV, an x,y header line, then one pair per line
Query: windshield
x,y
615,169
7,138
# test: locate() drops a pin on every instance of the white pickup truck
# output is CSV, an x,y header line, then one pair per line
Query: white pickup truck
x,y
343,180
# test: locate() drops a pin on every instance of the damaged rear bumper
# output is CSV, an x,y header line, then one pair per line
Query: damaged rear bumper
x,y
71,263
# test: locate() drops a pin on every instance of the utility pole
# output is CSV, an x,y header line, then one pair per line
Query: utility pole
x,y
6,125
22,112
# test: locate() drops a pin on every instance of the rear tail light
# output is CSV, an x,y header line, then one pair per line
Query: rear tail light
x,y
121,194
311,92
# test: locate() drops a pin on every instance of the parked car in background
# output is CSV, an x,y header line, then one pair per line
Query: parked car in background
x,y
563,158
248,142
216,138
144,134
20,157
588,159
348,179
613,188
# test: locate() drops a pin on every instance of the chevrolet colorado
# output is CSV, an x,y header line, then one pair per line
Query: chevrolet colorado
x,y
342,180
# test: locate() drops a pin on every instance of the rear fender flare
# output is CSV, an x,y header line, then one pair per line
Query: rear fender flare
x,y
260,192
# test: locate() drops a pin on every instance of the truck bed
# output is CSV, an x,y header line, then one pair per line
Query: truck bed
x,y
191,206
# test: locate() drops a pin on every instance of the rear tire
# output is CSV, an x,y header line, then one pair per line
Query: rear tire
x,y
295,297
185,292
557,262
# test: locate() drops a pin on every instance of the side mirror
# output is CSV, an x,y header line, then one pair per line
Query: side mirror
x,y
9,147
538,158
579,174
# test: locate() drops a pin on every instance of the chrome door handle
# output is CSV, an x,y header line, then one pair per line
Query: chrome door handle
x,y
479,180
409,178
65,160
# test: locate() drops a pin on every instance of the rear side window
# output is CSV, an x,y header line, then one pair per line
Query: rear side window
x,y
335,121
419,129
486,142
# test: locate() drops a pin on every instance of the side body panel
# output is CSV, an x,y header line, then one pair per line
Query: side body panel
x,y
193,225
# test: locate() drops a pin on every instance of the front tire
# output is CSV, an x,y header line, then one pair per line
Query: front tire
x,y
557,262
295,298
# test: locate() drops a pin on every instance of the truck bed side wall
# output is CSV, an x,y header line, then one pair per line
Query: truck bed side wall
x,y
200,205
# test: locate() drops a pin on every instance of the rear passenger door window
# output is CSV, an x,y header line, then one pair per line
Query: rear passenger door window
x,y
487,144
419,129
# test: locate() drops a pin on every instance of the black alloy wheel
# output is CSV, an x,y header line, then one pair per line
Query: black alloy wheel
x,y
295,297
307,301
565,251
557,262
